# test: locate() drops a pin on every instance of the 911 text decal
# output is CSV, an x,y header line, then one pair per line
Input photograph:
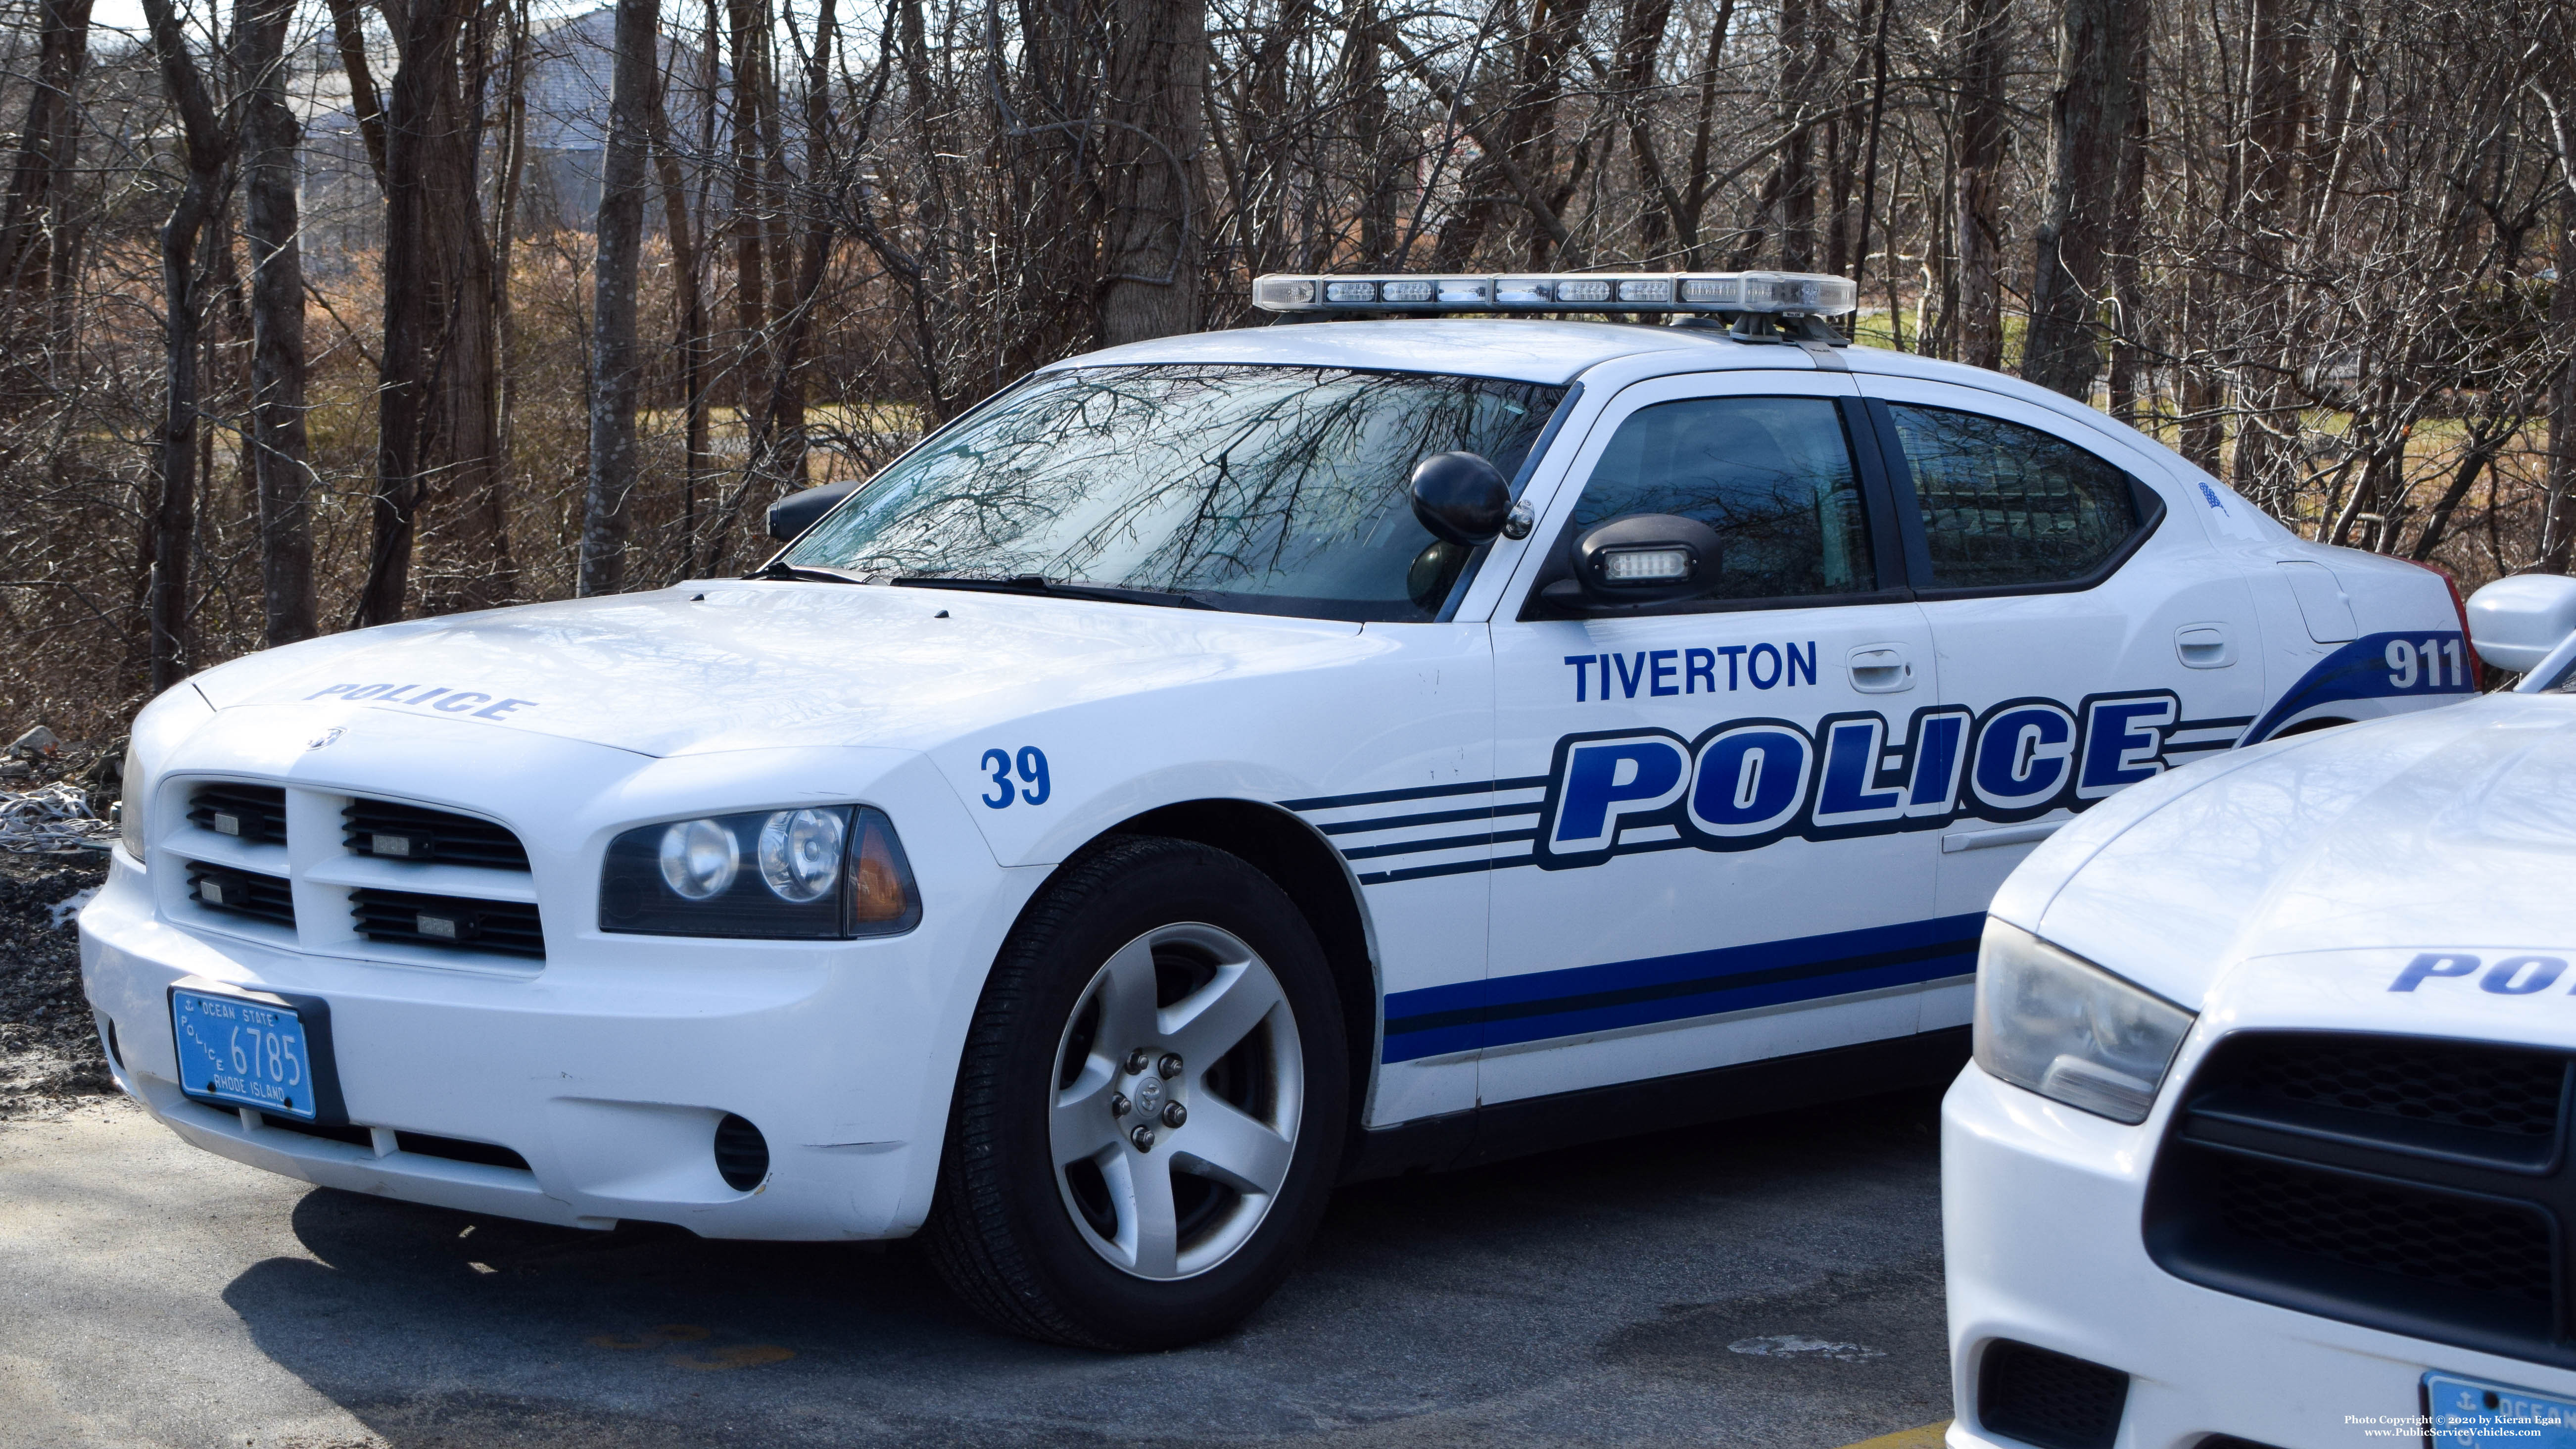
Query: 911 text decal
x,y
1745,783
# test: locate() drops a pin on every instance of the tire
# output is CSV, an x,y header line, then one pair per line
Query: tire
x,y
1053,1218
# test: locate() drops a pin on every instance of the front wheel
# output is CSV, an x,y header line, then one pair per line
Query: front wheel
x,y
1151,1105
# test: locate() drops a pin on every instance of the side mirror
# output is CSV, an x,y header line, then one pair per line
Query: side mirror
x,y
796,512
1645,558
2516,622
1461,498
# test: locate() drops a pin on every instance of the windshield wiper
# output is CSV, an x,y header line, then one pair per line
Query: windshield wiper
x,y
782,569
1040,585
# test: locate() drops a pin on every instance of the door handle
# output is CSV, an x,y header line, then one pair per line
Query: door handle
x,y
2204,646
1881,669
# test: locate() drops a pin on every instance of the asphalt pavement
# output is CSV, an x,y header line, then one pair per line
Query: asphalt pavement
x,y
1772,1282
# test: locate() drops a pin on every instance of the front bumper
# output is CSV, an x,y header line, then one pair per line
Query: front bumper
x,y
607,1068
2041,1212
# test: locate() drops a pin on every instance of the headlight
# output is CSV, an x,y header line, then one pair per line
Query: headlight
x,y
158,729
699,859
2069,1030
129,804
812,874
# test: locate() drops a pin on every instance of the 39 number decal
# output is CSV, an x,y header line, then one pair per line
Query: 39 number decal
x,y
1031,784
2404,672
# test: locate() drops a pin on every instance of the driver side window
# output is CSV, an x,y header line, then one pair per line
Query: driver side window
x,y
1772,475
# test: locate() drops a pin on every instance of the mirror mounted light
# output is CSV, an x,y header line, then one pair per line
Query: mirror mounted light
x,y
1645,558
2515,622
796,512
1461,498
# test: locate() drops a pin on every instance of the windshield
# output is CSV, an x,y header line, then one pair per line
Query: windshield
x,y
1281,490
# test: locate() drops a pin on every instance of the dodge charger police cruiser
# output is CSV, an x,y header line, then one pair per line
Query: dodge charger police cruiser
x,y
1212,769
2277,1051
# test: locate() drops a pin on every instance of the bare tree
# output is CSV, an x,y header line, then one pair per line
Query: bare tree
x,y
614,373
2088,130
1150,188
206,141
29,218
281,460
1981,129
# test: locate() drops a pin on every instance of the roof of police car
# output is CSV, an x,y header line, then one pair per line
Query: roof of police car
x,y
1521,349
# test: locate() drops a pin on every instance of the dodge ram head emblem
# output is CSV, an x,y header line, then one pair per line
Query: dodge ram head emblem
x,y
324,738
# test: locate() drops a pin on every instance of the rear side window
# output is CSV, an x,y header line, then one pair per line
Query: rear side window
x,y
1772,475
2006,506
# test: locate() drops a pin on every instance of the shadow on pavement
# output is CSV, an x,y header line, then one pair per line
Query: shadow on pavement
x,y
1597,1295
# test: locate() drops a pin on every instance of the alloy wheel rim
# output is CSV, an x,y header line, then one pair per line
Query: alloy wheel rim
x,y
1177,1092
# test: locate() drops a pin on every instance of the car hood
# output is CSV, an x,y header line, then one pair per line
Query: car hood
x,y
2448,829
725,665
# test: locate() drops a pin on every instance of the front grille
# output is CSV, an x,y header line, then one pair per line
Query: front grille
x,y
2484,1088
252,813
2419,1186
242,893
454,1149
457,1149
742,1154
450,922
394,831
2427,1236
2050,1399
328,1132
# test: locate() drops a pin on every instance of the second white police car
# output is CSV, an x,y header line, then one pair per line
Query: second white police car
x,y
1211,769
2267,1144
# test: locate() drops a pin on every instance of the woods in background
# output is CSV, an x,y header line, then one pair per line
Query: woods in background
x,y
329,314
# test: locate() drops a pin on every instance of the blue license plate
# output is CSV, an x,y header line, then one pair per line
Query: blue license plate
x,y
245,1053
2475,1414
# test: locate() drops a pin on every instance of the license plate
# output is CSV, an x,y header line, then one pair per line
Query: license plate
x,y
2475,1414
244,1053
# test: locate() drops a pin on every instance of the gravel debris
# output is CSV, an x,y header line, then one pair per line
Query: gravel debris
x,y
49,1050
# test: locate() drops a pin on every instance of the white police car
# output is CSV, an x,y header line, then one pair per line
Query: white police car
x,y
2267,1140
1141,806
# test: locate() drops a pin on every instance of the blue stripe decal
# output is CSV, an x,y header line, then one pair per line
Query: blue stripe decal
x,y
2360,670
1538,1005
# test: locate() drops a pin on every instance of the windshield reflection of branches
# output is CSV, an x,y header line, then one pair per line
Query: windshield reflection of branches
x,y
1264,480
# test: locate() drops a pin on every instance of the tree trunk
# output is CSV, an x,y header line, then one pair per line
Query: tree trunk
x,y
2558,525
510,187
207,147
787,398
689,302
613,369
435,412
1791,191
1370,133
2128,203
30,220
1642,25
281,462
2267,464
751,292
1149,149
1978,321
2088,129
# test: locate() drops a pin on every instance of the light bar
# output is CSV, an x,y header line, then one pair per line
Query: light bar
x,y
1804,293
